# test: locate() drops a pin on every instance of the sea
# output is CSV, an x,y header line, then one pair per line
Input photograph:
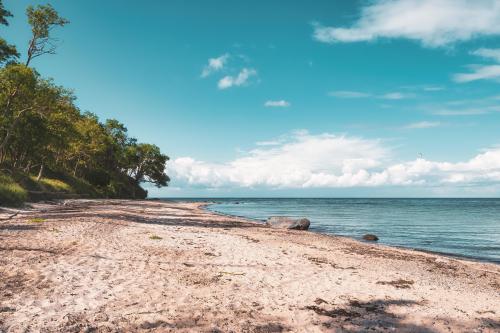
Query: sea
x,y
465,228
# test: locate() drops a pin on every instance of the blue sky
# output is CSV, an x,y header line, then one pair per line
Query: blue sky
x,y
274,98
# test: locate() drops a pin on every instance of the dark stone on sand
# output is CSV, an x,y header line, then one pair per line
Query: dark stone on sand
x,y
283,222
370,237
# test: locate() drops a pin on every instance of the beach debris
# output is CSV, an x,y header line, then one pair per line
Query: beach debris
x,y
318,261
231,273
370,237
319,301
11,212
485,312
400,283
253,240
7,309
284,222
333,313
155,237
267,328
441,261
369,307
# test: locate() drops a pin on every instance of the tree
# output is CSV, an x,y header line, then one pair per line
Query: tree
x,y
7,51
147,164
17,94
42,19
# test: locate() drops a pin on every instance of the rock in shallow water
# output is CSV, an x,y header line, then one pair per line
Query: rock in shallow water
x,y
370,237
283,222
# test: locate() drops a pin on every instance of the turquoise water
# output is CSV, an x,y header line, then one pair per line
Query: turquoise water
x,y
461,227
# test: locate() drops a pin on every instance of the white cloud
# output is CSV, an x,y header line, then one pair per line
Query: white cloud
x,y
279,104
488,53
297,161
360,94
348,94
396,96
491,72
215,65
482,72
434,23
423,124
268,143
464,112
329,161
479,110
463,107
433,88
239,80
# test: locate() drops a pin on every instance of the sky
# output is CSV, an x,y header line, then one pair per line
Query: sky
x,y
292,99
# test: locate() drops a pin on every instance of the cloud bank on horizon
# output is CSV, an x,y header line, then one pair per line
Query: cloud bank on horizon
x,y
303,160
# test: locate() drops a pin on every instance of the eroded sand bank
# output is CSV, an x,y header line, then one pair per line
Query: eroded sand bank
x,y
114,266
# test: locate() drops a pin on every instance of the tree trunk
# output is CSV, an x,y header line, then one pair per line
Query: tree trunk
x,y
30,51
76,167
5,140
27,168
40,173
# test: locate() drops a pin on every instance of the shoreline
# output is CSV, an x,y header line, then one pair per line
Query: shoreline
x,y
444,254
160,266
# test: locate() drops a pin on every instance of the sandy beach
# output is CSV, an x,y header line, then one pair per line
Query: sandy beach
x,y
151,266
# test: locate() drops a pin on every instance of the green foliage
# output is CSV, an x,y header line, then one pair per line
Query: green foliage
x,y
146,164
4,13
53,185
36,220
7,52
49,145
42,19
11,193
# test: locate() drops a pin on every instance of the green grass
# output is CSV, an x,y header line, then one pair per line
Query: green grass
x,y
11,193
155,237
53,185
18,187
36,220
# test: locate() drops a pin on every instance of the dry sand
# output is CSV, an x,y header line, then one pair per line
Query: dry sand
x,y
125,266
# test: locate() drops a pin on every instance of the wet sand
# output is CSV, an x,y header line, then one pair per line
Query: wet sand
x,y
149,266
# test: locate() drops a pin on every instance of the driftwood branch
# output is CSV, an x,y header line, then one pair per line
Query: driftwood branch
x,y
10,216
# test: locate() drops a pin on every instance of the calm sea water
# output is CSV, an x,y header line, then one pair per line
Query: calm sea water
x,y
461,227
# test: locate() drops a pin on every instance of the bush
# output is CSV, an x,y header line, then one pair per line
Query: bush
x,y
11,193
55,185
79,185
